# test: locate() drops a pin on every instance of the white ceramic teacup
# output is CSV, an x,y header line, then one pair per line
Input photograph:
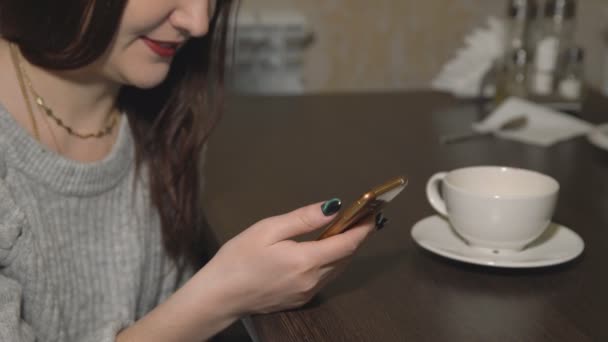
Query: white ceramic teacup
x,y
498,208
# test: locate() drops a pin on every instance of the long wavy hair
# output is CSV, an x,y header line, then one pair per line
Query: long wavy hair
x,y
170,122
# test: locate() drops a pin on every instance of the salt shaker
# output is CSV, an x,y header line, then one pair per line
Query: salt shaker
x,y
520,15
517,73
555,34
510,69
605,64
571,79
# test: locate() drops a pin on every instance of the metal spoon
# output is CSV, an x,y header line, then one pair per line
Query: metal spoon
x,y
512,124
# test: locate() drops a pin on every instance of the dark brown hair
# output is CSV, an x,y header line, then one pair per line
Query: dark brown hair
x,y
170,123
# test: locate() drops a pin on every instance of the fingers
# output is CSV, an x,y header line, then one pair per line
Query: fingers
x,y
338,247
303,220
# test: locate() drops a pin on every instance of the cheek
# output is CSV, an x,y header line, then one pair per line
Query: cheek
x,y
136,66
130,61
142,16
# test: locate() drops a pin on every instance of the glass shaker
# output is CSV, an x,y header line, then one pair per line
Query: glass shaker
x,y
517,73
571,79
520,16
605,64
513,76
509,70
555,33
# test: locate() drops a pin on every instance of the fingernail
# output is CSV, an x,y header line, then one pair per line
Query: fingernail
x,y
331,207
381,221
379,217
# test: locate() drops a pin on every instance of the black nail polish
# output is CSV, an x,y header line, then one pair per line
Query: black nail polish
x,y
379,217
381,221
331,207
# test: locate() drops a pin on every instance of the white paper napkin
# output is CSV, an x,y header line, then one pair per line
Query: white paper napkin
x,y
463,74
544,126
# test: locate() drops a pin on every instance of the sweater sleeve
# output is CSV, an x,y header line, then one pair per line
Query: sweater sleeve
x,y
12,327
106,333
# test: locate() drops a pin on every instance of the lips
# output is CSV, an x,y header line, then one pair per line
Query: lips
x,y
163,49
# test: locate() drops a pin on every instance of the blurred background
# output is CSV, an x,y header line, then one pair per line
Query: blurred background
x,y
551,52
289,46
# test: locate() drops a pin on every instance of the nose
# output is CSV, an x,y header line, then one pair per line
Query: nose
x,y
192,17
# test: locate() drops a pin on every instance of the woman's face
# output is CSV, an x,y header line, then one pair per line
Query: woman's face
x,y
150,34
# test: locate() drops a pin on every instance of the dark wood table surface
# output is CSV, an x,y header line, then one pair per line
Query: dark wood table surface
x,y
270,155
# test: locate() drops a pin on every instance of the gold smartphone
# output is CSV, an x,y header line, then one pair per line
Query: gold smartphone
x,y
369,204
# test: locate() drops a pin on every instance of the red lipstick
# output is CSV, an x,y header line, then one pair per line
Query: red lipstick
x,y
161,48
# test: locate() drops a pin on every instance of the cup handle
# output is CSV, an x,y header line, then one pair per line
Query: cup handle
x,y
432,193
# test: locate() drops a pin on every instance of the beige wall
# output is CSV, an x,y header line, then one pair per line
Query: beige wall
x,y
402,44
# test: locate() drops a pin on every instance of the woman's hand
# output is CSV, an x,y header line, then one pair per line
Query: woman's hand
x,y
259,271
263,270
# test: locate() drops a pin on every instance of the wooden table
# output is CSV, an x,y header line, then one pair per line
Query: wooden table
x,y
272,154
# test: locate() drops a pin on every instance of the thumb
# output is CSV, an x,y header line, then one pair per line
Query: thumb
x,y
304,220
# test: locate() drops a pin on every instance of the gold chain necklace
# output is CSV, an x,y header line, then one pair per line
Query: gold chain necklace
x,y
24,78
26,97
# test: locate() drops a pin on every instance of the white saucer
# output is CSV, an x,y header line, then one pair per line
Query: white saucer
x,y
599,136
557,245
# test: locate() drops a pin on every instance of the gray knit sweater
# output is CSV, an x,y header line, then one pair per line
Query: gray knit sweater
x,y
80,247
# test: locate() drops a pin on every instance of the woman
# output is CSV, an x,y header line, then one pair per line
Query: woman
x,y
104,107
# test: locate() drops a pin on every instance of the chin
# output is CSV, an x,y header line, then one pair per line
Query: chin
x,y
146,83
146,78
